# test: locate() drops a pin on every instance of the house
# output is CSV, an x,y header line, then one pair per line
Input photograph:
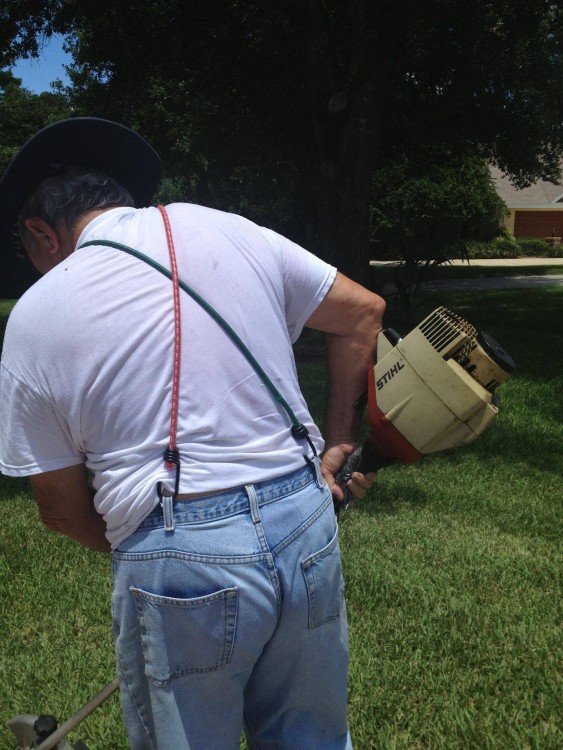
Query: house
x,y
535,211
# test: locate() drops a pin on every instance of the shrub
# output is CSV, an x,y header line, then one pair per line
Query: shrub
x,y
497,248
501,247
533,247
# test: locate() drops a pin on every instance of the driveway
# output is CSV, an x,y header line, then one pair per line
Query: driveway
x,y
476,285
502,282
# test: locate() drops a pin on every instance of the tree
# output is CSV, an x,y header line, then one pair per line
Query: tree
x,y
425,208
22,114
296,105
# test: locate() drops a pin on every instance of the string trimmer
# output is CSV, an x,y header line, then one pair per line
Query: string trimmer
x,y
43,733
432,390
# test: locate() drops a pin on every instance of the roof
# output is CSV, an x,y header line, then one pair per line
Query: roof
x,y
541,194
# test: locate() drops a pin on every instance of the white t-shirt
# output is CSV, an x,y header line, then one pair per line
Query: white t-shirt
x,y
86,371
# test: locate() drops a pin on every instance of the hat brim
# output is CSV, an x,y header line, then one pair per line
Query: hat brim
x,y
89,143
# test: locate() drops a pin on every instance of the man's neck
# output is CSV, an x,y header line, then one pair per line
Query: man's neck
x,y
85,220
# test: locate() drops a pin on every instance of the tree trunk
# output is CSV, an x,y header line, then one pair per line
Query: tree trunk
x,y
343,91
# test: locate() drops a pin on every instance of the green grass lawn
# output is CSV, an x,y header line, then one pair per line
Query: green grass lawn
x,y
452,568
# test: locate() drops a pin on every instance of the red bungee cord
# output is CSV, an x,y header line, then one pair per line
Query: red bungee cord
x,y
172,454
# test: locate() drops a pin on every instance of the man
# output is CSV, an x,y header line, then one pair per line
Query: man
x,y
227,601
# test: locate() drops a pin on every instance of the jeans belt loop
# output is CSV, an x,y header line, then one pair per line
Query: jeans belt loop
x,y
253,503
168,512
316,464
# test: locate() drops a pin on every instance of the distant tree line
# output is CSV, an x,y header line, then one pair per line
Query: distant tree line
x,y
355,127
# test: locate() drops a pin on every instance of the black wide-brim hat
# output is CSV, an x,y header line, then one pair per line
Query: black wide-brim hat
x,y
88,143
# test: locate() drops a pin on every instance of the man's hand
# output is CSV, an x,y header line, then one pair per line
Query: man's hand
x,y
332,461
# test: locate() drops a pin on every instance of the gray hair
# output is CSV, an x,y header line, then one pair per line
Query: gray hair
x,y
63,200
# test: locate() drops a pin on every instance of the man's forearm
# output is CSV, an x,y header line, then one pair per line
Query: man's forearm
x,y
66,505
349,363
351,317
89,529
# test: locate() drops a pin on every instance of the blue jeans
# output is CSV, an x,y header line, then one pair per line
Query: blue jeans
x,y
234,617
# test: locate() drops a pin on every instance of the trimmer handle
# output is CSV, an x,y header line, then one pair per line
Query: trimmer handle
x,y
365,460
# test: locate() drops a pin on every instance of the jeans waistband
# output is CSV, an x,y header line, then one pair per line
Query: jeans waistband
x,y
236,500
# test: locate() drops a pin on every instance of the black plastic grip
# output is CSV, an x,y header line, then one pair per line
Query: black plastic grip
x,y
365,460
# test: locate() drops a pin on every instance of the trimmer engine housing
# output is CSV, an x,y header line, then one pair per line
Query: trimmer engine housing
x,y
434,389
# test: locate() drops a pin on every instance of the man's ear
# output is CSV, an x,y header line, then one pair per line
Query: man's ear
x,y
43,234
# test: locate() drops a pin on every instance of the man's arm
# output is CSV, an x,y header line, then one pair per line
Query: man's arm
x,y
352,317
66,505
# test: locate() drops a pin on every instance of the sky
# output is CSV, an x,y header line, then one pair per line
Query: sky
x,y
37,74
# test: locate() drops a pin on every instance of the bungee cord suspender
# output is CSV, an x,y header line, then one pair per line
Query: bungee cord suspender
x,y
172,455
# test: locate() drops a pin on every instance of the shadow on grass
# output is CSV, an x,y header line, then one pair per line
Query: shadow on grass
x,y
389,498
11,488
526,322
527,445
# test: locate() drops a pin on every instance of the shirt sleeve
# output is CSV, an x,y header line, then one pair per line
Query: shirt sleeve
x,y
306,278
32,437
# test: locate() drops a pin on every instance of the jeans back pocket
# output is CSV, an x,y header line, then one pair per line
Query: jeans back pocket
x,y
183,636
325,584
